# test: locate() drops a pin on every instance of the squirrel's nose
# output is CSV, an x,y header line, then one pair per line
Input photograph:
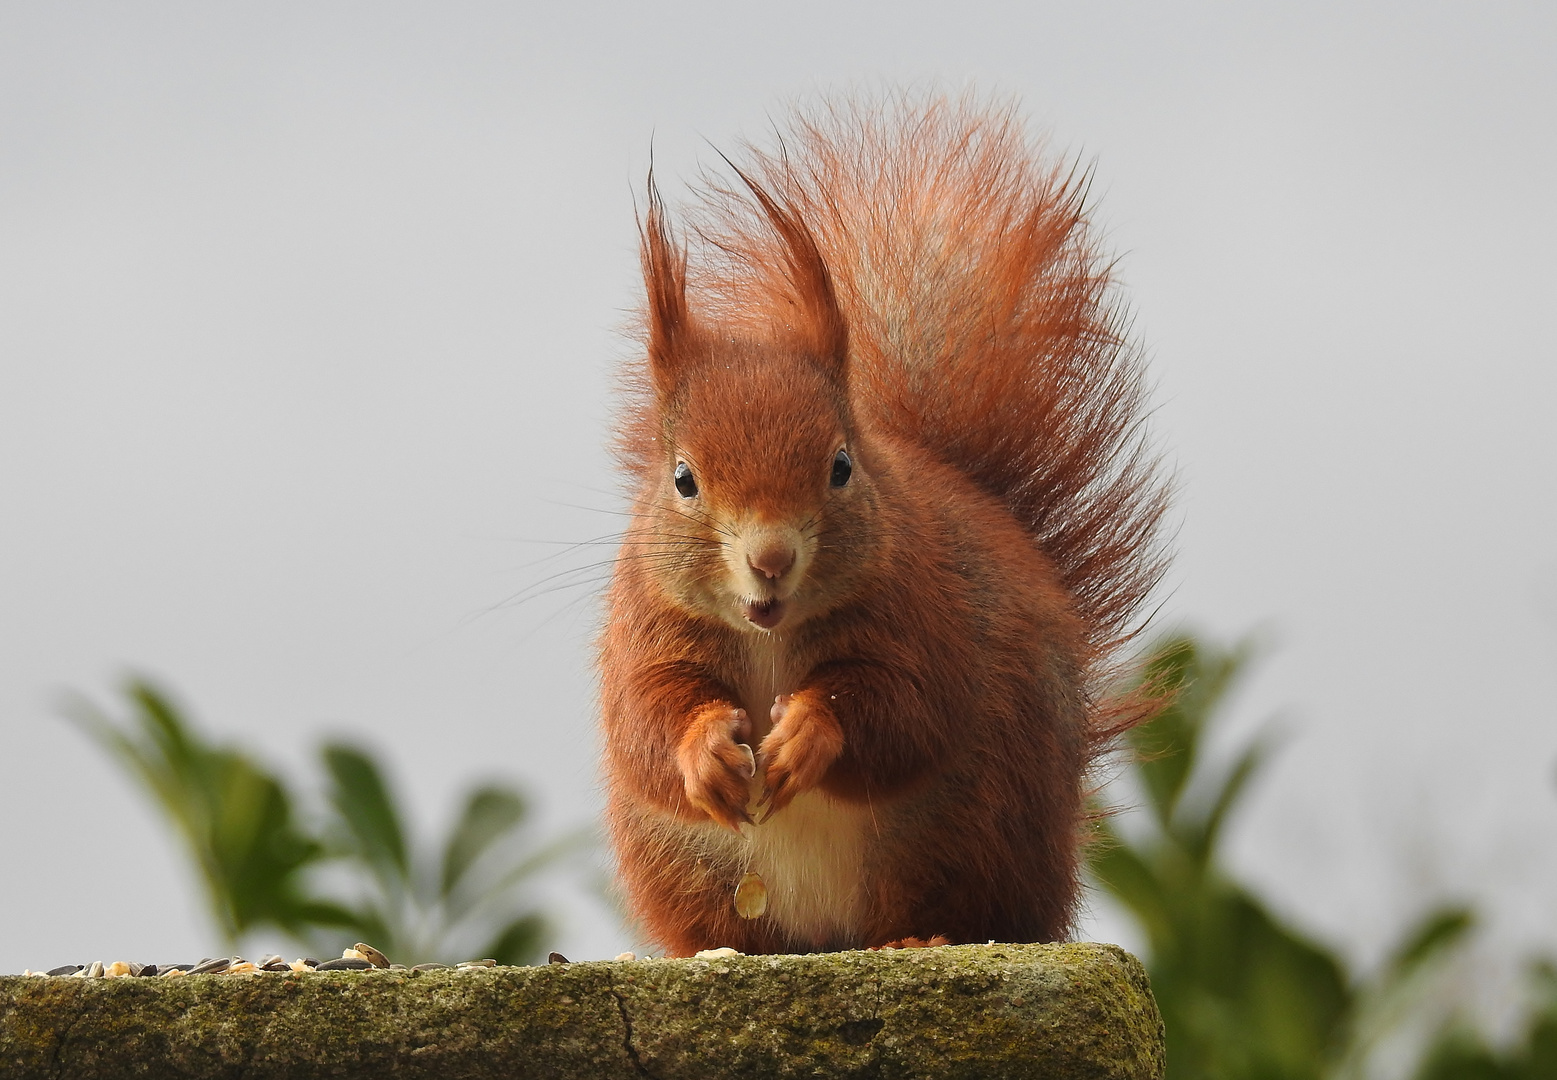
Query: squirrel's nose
x,y
772,559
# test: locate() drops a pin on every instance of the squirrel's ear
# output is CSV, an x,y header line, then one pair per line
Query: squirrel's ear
x,y
665,281
820,322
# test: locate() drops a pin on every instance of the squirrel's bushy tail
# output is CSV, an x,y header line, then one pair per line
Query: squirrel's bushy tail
x,y
982,320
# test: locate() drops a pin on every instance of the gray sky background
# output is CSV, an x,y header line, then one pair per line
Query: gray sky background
x,y
308,314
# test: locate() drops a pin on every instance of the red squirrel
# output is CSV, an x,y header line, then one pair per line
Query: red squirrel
x,y
893,518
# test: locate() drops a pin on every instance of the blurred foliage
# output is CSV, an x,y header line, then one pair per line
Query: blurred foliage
x,y
237,820
265,865
1243,994
421,903
1461,1053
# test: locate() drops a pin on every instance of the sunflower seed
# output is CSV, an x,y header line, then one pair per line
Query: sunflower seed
x,y
370,954
751,897
67,969
345,963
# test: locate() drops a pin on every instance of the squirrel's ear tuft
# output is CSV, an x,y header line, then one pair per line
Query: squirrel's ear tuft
x,y
665,281
819,321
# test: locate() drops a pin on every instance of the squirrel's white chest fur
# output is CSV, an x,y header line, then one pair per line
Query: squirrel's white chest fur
x,y
811,858
811,855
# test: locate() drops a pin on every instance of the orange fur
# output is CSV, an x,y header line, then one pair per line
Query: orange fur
x,y
916,654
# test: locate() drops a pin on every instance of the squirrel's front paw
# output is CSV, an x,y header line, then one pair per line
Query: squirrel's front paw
x,y
717,763
804,743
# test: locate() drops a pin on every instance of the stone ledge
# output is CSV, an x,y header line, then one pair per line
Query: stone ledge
x,y
1073,1011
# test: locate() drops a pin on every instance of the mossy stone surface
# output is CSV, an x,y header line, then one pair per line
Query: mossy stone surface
x,y
1068,1012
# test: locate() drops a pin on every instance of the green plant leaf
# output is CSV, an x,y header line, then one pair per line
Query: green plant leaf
x,y
1165,747
235,817
1438,931
362,798
490,813
1200,837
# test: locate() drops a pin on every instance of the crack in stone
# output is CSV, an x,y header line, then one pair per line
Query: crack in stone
x,y
874,1061
627,1034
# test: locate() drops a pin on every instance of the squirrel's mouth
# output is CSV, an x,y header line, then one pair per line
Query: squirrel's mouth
x,y
767,614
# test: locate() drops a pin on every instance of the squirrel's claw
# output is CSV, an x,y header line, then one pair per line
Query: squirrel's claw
x,y
748,759
795,756
775,798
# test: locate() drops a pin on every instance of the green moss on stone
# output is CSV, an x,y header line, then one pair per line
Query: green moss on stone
x,y
1077,1012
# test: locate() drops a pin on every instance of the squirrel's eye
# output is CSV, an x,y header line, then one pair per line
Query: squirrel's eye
x,y
842,468
688,486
